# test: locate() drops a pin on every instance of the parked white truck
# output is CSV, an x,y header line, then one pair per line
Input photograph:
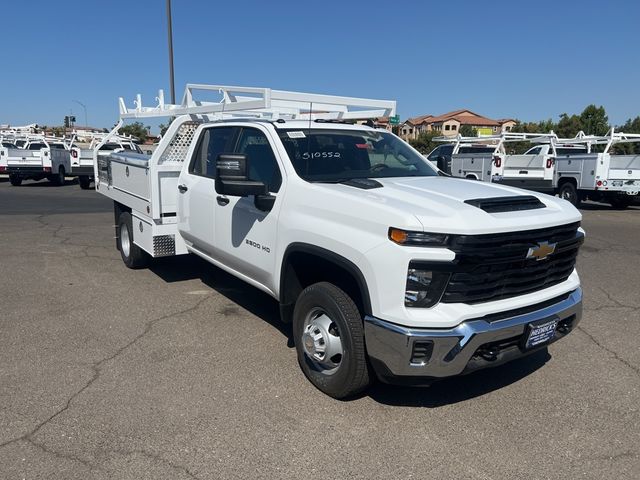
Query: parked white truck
x,y
384,266
82,158
41,157
565,166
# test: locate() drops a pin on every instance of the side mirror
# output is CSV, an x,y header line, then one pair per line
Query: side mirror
x,y
232,176
149,152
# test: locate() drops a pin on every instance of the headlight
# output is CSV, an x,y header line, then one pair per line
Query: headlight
x,y
424,239
424,287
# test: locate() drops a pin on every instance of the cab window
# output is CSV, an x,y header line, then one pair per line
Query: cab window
x,y
263,166
213,142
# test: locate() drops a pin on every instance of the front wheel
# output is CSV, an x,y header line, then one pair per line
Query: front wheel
x,y
329,338
15,180
132,255
569,193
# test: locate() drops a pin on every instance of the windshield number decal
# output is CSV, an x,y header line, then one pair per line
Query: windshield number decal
x,y
309,155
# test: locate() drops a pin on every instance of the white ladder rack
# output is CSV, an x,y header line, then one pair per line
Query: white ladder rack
x,y
263,103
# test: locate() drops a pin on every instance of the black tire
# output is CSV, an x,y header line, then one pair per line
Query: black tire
x,y
569,193
132,255
85,182
58,178
619,202
351,375
15,180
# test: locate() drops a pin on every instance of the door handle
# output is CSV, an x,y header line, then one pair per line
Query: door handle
x,y
222,201
183,188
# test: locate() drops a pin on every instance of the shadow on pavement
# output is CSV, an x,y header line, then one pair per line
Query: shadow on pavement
x,y
189,267
444,392
461,388
46,183
594,207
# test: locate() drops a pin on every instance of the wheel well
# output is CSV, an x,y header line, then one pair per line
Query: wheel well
x,y
564,180
471,177
307,265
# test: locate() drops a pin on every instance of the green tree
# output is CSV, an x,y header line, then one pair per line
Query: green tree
x,y
137,129
163,127
58,131
594,120
468,131
543,126
630,126
425,143
569,126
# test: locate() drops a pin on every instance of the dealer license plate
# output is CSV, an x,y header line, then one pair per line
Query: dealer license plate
x,y
541,332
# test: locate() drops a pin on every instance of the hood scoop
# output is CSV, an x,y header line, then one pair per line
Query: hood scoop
x,y
506,204
364,183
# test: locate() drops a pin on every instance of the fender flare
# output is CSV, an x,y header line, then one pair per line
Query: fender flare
x,y
332,257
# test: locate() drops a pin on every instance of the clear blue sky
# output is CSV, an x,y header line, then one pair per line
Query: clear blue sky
x,y
529,60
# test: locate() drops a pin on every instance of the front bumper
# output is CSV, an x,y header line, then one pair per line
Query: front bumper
x,y
474,344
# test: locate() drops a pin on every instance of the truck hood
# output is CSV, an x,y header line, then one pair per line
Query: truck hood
x,y
438,203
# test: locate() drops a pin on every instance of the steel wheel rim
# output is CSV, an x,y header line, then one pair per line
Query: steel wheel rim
x,y
125,241
566,194
321,342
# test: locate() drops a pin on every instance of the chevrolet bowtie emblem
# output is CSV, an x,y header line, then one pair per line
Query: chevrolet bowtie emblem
x,y
542,251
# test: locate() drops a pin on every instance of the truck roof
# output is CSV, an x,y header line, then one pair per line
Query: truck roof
x,y
298,124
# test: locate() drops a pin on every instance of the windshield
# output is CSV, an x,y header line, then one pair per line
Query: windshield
x,y
571,151
324,155
110,146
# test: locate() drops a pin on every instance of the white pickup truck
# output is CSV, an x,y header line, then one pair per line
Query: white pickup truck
x,y
41,157
385,267
82,158
5,146
568,167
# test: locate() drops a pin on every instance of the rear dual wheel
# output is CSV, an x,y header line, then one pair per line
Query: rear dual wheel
x,y
132,255
58,178
85,182
620,202
15,180
329,338
569,193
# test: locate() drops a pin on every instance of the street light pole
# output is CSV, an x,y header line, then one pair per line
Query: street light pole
x,y
170,35
86,122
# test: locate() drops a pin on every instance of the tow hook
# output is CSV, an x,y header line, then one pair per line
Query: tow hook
x,y
488,353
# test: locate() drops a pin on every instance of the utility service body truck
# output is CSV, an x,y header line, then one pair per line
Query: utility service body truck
x,y
42,157
82,158
565,166
384,266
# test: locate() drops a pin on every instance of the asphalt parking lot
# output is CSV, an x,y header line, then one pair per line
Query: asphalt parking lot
x,y
182,372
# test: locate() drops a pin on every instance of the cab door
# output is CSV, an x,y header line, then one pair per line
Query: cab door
x,y
196,191
246,234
